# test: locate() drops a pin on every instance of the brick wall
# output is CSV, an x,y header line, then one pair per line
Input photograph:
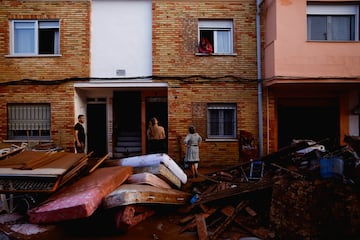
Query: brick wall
x,y
49,75
219,79
74,40
187,105
61,99
175,33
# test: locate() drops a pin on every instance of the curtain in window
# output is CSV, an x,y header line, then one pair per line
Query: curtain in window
x,y
222,42
57,43
24,36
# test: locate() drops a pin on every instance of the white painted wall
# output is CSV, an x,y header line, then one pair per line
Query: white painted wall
x,y
121,38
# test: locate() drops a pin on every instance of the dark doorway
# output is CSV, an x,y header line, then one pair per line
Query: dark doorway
x,y
308,122
96,129
127,124
157,107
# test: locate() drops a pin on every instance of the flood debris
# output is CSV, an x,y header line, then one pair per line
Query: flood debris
x,y
302,191
307,190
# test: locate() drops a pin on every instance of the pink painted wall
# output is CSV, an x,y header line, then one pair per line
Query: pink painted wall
x,y
289,54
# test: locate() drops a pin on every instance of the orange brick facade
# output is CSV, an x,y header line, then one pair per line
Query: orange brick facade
x,y
61,99
216,79
46,79
193,81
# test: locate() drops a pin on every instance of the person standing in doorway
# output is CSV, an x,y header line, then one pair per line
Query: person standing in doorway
x,y
79,133
156,137
192,142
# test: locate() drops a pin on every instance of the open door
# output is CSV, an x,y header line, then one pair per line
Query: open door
x,y
96,129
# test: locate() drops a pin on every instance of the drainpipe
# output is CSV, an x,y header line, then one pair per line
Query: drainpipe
x,y
258,51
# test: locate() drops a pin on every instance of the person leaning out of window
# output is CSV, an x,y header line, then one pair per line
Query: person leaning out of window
x,y
205,46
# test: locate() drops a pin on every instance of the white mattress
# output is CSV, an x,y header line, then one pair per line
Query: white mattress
x,y
155,159
127,194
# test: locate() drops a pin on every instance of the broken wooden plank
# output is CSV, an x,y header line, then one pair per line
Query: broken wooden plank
x,y
227,221
250,211
201,226
192,224
260,233
239,189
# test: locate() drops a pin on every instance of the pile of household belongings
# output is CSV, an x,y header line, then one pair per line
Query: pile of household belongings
x,y
119,188
247,200
13,149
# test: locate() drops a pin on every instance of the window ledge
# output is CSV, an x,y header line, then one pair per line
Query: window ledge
x,y
215,54
333,41
27,141
221,140
31,56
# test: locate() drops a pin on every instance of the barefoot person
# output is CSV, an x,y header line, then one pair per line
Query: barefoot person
x,y
156,137
192,142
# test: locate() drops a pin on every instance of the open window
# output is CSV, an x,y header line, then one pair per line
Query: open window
x,y
219,33
34,37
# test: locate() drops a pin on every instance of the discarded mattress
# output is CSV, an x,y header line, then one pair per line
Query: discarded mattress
x,y
148,178
127,194
82,198
155,159
162,172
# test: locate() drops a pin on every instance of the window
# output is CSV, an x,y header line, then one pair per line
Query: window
x,y
333,23
219,33
28,121
221,121
32,37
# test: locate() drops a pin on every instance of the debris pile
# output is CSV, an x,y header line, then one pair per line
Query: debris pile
x,y
300,192
307,190
314,209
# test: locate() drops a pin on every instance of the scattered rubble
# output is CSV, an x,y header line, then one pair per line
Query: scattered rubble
x,y
306,190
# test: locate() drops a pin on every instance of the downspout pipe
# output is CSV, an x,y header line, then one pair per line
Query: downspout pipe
x,y
259,82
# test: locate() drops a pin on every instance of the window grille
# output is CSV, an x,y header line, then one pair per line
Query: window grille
x,y
221,120
29,121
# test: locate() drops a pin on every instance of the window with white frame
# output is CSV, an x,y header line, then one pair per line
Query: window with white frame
x,y
28,121
219,33
35,37
221,120
333,22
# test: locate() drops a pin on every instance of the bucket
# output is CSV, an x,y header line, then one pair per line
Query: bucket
x,y
331,167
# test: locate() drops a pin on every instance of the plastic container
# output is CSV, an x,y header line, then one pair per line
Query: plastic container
x,y
194,198
331,167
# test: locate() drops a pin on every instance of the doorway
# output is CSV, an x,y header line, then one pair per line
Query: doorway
x,y
96,128
308,122
158,107
127,123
